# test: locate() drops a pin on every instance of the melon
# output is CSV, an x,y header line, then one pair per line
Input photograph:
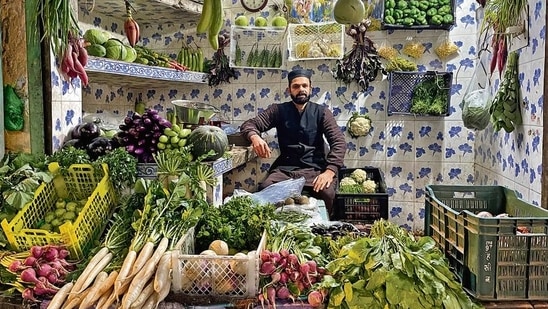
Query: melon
x,y
349,11
208,138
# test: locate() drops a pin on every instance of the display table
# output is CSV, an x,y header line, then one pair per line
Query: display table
x,y
233,158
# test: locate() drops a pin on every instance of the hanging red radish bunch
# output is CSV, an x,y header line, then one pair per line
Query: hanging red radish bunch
x,y
40,272
74,60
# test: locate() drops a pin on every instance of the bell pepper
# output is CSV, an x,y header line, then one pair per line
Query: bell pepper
x,y
402,4
432,12
436,20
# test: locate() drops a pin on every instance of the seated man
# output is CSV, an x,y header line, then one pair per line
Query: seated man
x,y
301,126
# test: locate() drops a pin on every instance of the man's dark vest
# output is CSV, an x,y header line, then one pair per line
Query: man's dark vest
x,y
300,137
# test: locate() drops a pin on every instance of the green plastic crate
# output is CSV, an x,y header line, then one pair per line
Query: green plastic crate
x,y
494,260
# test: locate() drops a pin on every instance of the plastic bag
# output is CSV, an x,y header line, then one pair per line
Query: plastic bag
x,y
445,48
277,192
387,52
413,48
311,210
477,102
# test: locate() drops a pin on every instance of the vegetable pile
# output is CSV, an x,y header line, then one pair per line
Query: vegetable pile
x,y
140,134
506,105
39,272
362,63
357,182
391,269
418,13
430,97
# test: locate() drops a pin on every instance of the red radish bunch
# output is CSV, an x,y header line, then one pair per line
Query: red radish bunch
x,y
284,277
42,272
74,61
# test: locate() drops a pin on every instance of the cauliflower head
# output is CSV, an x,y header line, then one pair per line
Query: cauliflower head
x,y
347,181
358,125
359,175
369,186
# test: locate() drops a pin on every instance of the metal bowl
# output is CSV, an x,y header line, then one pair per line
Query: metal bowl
x,y
193,112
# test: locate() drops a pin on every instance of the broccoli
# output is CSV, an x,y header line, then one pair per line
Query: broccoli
x,y
358,125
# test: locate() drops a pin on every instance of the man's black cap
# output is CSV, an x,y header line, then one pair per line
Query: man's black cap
x,y
299,73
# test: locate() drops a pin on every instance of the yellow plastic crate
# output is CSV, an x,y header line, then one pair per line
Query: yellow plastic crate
x,y
81,181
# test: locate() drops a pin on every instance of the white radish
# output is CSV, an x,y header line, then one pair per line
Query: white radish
x,y
151,302
147,291
91,298
162,272
176,271
77,288
60,297
98,268
142,277
144,255
125,270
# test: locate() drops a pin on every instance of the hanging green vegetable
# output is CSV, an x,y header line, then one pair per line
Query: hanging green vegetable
x,y
13,110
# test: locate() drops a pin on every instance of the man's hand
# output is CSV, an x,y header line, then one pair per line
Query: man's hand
x,y
260,146
324,180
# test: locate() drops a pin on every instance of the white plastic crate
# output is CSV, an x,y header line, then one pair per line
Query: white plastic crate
x,y
257,47
315,41
216,277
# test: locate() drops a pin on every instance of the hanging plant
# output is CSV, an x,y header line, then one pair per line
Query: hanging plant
x,y
58,23
362,63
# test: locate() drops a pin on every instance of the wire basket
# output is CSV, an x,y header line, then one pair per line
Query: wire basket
x,y
257,47
403,88
315,41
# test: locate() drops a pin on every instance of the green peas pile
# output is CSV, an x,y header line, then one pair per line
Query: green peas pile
x,y
418,12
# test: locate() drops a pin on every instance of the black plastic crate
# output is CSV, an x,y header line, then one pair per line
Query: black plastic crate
x,y
446,24
402,86
361,208
496,258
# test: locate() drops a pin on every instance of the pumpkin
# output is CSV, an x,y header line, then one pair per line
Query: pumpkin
x,y
205,138
349,11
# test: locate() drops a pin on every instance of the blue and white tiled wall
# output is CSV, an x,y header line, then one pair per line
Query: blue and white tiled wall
x,y
411,151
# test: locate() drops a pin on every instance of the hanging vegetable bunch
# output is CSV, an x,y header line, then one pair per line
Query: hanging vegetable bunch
x,y
74,60
218,67
499,15
131,27
362,63
506,105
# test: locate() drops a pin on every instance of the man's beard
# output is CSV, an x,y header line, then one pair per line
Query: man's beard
x,y
300,99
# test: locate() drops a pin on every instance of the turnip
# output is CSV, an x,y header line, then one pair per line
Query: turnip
x,y
283,292
271,296
44,270
16,266
284,277
51,254
275,257
284,252
29,275
267,268
315,298
36,251
265,256
30,261
28,294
